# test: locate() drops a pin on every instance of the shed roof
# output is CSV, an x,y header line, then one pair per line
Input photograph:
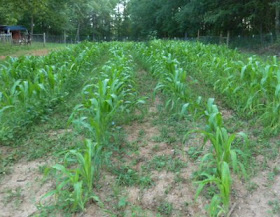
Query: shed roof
x,y
13,28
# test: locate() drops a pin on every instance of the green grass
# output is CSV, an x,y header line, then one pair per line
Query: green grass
x,y
7,49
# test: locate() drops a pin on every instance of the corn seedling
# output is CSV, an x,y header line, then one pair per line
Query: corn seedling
x,y
75,183
216,164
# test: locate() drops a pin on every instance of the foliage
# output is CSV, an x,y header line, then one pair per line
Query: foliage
x,y
110,93
215,165
232,74
31,86
75,185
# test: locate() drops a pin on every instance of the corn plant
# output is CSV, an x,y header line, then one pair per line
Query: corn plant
x,y
216,164
223,182
113,93
250,85
75,183
33,85
171,77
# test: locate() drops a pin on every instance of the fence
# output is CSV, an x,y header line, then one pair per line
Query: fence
x,y
246,42
5,38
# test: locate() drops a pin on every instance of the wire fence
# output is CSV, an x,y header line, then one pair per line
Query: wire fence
x,y
246,42
5,38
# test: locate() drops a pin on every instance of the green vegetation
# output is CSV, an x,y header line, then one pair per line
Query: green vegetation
x,y
127,140
122,19
215,165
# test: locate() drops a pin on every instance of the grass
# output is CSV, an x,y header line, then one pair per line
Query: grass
x,y
7,49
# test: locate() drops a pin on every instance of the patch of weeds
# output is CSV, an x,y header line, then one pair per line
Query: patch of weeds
x,y
122,203
169,163
118,139
141,133
273,173
194,152
275,205
179,178
165,208
157,139
156,148
127,176
14,196
167,136
137,211
210,191
252,186
168,189
7,161
132,146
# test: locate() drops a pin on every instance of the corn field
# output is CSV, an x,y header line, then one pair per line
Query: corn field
x,y
105,88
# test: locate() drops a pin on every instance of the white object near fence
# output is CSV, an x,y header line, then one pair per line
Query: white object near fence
x,y
6,38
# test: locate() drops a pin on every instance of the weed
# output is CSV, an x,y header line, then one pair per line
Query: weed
x,y
275,205
169,163
14,196
165,208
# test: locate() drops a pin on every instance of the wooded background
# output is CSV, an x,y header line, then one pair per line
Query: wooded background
x,y
143,19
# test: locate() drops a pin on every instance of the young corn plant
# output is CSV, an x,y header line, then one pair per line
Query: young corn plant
x,y
249,85
76,177
216,164
101,103
113,93
33,85
171,77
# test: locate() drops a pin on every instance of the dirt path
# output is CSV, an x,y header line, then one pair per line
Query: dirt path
x,y
166,188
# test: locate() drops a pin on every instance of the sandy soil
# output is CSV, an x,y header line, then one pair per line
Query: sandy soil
x,y
256,203
22,189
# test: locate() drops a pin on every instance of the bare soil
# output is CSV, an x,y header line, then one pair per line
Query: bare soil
x,y
21,190
256,203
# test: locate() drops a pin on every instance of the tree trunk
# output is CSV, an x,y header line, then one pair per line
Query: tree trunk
x,y
277,30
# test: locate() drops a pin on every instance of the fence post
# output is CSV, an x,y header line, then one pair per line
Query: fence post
x,y
198,35
228,34
64,37
44,38
221,38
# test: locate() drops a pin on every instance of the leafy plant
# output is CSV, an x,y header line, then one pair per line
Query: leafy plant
x,y
75,182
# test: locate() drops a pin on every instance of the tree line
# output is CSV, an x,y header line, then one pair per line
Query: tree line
x,y
137,19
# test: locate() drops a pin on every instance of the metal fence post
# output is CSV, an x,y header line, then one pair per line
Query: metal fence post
x,y
228,35
44,38
64,37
